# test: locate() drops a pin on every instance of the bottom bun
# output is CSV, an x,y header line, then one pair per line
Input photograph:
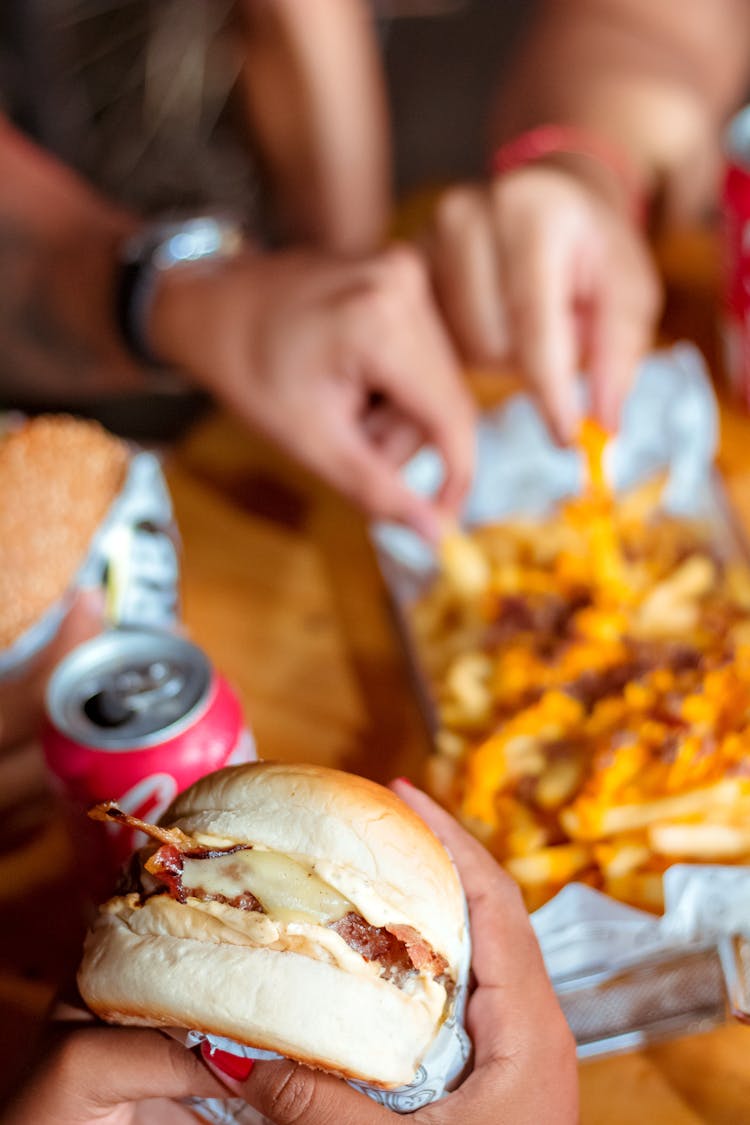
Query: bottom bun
x,y
304,1009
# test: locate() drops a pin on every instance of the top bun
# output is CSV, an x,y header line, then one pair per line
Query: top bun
x,y
359,837
58,477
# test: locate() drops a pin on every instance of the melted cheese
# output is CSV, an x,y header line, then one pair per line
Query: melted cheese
x,y
287,890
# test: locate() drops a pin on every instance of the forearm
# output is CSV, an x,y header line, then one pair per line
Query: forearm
x,y
58,250
314,96
658,78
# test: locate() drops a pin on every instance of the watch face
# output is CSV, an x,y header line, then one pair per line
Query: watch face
x,y
166,245
204,237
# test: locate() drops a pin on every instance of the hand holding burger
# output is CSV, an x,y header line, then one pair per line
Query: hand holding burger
x,y
288,908
524,1066
524,1054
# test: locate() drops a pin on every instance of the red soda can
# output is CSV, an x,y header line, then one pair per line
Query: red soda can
x,y
736,254
136,716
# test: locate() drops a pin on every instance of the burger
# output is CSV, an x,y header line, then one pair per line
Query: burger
x,y
290,908
58,477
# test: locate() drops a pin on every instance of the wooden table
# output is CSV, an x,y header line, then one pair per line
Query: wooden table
x,y
281,588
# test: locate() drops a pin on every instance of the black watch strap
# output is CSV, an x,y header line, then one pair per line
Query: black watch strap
x,y
135,287
155,249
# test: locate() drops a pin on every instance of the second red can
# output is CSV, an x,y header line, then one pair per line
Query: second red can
x,y
736,253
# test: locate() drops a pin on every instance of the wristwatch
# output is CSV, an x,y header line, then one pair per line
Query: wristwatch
x,y
158,247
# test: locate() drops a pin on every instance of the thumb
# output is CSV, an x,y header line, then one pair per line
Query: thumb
x,y
93,1070
121,1065
289,1093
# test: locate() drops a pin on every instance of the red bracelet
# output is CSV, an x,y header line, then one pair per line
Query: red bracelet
x,y
546,140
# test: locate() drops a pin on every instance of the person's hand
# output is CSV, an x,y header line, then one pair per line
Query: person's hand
x,y
114,1076
545,268
524,1055
344,364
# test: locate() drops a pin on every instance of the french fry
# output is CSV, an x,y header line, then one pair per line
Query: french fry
x,y
604,822
558,783
640,503
705,842
555,865
523,842
621,857
738,585
593,441
671,608
467,685
464,564
642,889
449,744
455,716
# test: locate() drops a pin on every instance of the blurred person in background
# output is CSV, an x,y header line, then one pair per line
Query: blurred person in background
x,y
317,337
607,126
609,115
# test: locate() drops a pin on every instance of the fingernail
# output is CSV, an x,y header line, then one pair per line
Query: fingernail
x,y
404,781
567,420
234,1066
610,414
428,525
567,428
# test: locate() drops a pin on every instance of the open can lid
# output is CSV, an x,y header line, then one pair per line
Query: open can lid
x,y
128,688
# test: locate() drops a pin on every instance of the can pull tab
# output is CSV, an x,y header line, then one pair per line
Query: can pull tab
x,y
132,692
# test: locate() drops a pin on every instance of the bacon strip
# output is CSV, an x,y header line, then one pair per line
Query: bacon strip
x,y
421,954
110,812
374,943
400,949
166,865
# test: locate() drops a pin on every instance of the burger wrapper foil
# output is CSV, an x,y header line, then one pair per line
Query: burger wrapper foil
x,y
443,1068
623,977
132,558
